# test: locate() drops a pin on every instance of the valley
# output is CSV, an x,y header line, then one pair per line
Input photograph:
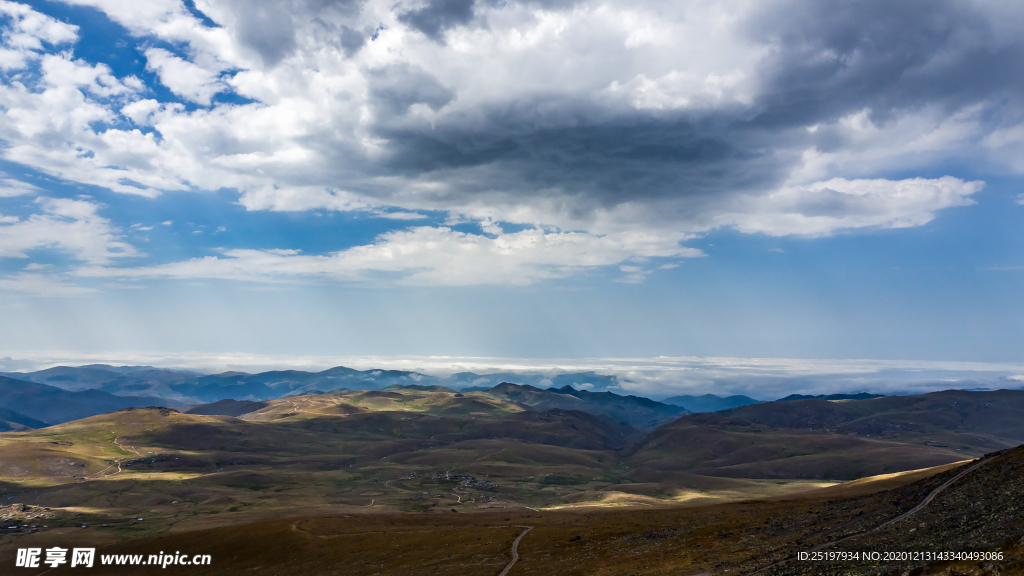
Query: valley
x,y
540,457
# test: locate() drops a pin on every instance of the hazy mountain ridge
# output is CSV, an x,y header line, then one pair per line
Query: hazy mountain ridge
x,y
710,402
53,405
856,396
190,387
639,412
11,420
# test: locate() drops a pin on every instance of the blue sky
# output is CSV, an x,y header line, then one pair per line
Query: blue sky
x,y
588,179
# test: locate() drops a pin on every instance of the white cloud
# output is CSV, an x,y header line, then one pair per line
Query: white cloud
x,y
823,208
184,78
27,32
170,20
633,274
11,187
427,256
71,226
400,215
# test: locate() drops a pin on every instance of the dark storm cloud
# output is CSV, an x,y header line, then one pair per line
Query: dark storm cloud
x,y
631,158
838,57
398,86
831,59
437,16
266,26
269,28
351,40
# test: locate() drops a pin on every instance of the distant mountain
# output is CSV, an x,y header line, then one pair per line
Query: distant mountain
x,y
710,402
858,396
638,412
136,369
191,388
12,421
279,383
591,381
53,405
116,380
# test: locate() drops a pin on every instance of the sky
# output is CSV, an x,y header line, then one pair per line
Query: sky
x,y
544,179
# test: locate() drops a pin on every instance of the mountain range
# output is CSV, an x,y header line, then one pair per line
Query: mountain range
x,y
192,388
186,387
30,405
709,402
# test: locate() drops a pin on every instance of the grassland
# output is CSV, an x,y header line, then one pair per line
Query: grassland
x,y
981,512
414,457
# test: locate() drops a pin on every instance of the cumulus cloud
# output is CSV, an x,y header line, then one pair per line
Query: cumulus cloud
x,y
822,208
67,225
184,78
27,32
604,117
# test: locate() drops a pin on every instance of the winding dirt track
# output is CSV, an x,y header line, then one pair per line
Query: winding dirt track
x,y
515,550
927,500
132,449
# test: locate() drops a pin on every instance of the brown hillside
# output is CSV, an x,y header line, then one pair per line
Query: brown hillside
x,y
980,511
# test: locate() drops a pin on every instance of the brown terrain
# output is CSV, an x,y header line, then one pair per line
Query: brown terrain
x,y
438,482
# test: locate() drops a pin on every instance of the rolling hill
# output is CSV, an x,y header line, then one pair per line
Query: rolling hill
x,y
227,408
974,508
843,439
628,411
992,419
635,411
430,450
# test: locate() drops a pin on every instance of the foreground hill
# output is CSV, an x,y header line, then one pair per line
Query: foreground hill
x,y
970,508
991,419
49,405
815,438
422,448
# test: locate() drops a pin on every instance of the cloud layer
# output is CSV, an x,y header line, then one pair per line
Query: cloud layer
x,y
660,377
612,131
